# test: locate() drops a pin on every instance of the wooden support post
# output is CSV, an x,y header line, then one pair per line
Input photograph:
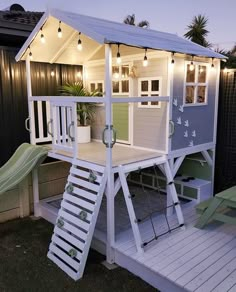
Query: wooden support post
x,y
35,183
30,104
110,175
24,197
131,212
169,200
118,184
175,199
208,158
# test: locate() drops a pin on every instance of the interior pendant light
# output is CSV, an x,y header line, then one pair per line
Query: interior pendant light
x,y
118,58
30,54
145,60
59,31
212,63
79,46
42,38
191,67
173,60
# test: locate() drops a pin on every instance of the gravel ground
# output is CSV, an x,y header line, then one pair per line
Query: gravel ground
x,y
24,266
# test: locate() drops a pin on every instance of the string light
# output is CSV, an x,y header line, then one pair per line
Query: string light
x,y
59,31
42,38
118,58
173,60
30,54
212,63
145,60
191,67
52,73
79,46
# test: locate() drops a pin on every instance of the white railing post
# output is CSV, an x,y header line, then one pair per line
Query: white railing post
x,y
110,177
74,119
30,103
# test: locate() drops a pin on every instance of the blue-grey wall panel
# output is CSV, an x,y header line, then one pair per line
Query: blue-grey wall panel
x,y
199,118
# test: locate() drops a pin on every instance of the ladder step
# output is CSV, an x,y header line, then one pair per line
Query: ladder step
x,y
74,230
64,245
74,209
64,256
83,183
79,202
82,224
85,174
85,194
70,272
64,234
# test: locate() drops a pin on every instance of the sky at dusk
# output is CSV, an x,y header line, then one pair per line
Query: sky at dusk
x,y
164,15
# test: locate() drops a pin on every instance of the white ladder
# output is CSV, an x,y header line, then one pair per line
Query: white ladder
x,y
77,217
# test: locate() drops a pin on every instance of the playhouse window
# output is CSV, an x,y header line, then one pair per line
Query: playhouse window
x,y
195,92
149,87
97,85
120,79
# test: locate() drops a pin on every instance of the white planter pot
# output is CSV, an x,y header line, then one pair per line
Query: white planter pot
x,y
84,134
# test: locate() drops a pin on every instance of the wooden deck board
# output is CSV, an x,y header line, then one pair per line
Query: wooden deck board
x,y
194,259
95,152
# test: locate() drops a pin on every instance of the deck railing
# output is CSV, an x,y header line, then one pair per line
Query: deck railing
x,y
54,119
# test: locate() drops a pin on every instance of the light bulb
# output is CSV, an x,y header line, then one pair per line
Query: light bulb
x,y
145,61
31,55
52,73
59,33
79,46
118,58
116,75
42,38
191,67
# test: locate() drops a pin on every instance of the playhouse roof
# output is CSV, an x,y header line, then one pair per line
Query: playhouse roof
x,y
109,32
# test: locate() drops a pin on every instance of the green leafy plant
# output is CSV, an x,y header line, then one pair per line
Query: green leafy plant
x,y
85,110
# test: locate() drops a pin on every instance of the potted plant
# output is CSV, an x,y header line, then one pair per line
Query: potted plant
x,y
85,110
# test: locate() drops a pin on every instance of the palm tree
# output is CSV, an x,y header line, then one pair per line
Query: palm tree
x,y
130,19
197,31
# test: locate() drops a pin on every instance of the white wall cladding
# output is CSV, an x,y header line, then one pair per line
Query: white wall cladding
x,y
150,124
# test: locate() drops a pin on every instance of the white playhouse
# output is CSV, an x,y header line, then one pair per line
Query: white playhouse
x,y
159,104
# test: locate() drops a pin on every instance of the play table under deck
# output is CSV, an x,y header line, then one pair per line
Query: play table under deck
x,y
226,198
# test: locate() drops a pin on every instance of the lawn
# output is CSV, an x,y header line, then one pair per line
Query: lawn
x,y
25,267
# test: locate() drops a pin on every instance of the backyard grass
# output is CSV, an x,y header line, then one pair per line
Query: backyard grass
x,y
24,266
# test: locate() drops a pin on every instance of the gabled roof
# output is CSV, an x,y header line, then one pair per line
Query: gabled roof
x,y
109,32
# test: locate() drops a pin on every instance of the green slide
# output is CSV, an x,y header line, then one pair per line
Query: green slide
x,y
25,158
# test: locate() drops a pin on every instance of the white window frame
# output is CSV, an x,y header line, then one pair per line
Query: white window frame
x,y
96,83
120,79
149,92
196,84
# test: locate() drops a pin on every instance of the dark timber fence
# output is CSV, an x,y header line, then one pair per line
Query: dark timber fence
x,y
13,95
225,169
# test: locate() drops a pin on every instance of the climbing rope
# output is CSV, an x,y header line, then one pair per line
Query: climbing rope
x,y
159,210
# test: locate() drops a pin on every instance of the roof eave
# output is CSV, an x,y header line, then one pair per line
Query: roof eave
x,y
31,37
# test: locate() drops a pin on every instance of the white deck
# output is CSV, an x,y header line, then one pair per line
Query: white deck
x,y
95,152
184,260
